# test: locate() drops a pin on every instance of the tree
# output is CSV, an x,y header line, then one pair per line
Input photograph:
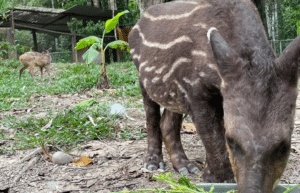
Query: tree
x,y
260,4
144,4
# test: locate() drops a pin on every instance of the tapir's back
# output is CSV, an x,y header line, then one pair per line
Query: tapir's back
x,y
170,48
171,51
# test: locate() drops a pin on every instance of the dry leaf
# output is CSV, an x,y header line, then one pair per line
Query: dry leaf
x,y
47,126
189,128
92,121
83,161
111,91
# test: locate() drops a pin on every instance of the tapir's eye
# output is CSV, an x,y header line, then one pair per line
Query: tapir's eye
x,y
235,147
281,150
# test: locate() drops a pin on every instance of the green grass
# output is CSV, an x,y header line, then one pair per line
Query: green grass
x,y
70,126
72,78
124,75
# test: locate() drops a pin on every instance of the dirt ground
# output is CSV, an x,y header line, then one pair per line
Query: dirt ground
x,y
117,164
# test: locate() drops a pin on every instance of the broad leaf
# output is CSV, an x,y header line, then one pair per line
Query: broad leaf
x,y
119,44
85,42
97,45
112,23
90,55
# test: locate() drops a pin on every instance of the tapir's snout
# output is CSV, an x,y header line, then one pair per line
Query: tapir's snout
x,y
257,174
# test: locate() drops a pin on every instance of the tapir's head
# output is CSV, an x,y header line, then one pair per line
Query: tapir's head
x,y
259,97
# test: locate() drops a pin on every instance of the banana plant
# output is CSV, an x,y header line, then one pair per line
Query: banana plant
x,y
96,44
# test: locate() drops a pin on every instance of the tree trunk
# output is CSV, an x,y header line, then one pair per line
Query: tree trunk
x,y
144,4
261,6
96,3
112,5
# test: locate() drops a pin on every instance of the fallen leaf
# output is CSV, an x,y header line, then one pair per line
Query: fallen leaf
x,y
92,121
189,128
83,161
47,126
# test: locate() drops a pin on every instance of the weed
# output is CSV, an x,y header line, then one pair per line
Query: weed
x,y
68,128
124,75
10,63
71,78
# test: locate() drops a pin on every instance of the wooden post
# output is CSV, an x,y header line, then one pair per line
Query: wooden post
x,y
74,52
113,6
35,48
11,36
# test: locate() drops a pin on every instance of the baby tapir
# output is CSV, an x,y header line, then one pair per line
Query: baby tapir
x,y
211,59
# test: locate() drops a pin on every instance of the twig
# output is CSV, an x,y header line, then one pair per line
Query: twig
x,y
46,153
32,154
130,118
126,163
32,162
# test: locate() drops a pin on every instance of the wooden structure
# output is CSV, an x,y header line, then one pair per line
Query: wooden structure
x,y
52,21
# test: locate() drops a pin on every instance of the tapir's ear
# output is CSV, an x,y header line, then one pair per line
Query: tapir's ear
x,y
225,56
289,60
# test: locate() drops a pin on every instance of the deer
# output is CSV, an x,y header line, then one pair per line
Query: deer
x,y
211,60
33,59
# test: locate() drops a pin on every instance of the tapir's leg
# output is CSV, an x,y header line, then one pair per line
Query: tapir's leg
x,y
208,119
154,157
170,127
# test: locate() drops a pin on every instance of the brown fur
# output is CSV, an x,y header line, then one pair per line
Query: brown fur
x,y
33,59
235,77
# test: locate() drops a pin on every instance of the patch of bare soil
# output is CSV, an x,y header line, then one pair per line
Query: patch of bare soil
x,y
117,164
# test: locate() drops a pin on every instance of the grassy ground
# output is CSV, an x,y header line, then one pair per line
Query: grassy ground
x,y
69,126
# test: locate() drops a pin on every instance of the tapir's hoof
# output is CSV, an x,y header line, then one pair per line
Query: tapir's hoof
x,y
154,162
190,169
152,167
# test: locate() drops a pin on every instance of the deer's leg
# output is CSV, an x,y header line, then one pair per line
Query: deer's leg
x,y
154,157
21,71
208,119
31,71
47,70
170,127
41,68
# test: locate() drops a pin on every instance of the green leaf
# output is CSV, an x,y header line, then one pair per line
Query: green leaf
x,y
90,54
119,44
112,23
85,42
86,103
97,45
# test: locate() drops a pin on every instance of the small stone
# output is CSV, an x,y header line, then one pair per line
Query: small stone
x,y
61,158
117,109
